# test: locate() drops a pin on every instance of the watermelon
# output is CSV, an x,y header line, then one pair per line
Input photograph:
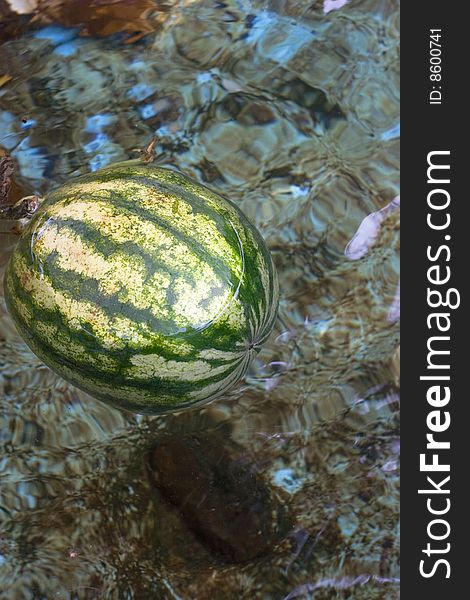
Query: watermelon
x,y
142,287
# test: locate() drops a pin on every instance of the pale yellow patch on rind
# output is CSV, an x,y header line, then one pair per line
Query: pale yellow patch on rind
x,y
214,354
234,315
149,366
215,389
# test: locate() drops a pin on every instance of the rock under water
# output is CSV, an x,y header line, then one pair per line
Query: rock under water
x,y
220,497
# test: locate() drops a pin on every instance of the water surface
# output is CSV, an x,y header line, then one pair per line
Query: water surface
x,y
291,110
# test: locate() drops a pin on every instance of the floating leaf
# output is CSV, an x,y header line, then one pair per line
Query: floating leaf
x,y
4,79
135,18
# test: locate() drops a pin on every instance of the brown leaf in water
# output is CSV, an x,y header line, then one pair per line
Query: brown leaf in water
x,y
9,223
105,17
4,79
135,18
6,172
11,190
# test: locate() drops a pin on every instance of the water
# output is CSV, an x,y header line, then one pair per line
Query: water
x,y
291,110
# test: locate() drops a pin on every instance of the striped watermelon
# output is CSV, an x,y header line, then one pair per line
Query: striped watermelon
x,y
142,287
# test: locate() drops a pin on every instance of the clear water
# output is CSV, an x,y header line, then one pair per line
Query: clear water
x,y
291,110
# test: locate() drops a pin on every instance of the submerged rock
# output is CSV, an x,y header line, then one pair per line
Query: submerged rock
x,y
229,507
